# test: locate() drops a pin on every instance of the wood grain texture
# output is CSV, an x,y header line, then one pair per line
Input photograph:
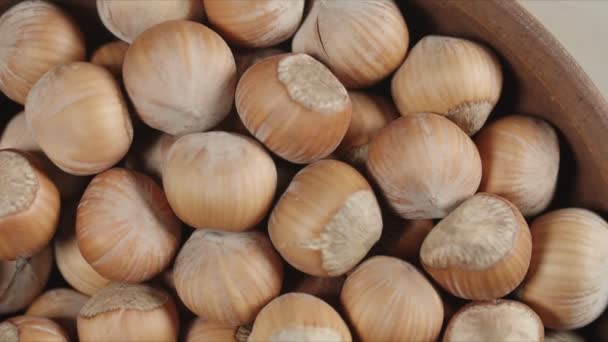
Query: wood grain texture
x,y
549,82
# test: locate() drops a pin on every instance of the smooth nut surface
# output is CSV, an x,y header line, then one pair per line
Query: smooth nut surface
x,y
219,180
425,166
125,228
261,23
28,52
299,317
23,279
454,77
566,284
29,206
481,250
180,76
520,159
71,264
378,293
128,19
327,219
250,276
31,328
503,320
305,96
362,42
79,117
129,312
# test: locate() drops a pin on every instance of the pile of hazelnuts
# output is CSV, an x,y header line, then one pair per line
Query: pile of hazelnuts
x,y
277,170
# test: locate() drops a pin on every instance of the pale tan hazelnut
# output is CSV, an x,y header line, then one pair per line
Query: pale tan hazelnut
x,y
30,329
181,77
201,330
327,220
219,180
454,77
23,279
299,317
567,284
362,42
17,135
128,312
61,305
564,336
29,206
125,227
260,23
425,166
78,116
520,161
72,266
305,96
36,36
501,320
481,250
387,299
228,277
128,19
371,113
111,56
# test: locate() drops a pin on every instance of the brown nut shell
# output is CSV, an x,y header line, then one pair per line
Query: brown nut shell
x,y
246,58
256,24
219,180
201,330
370,114
62,305
125,228
148,154
78,116
299,317
28,51
425,166
387,299
73,267
31,328
567,284
327,220
17,135
129,312
481,250
362,41
520,161
29,215
403,238
128,19
284,100
180,76
111,56
227,277
454,77
23,279
502,320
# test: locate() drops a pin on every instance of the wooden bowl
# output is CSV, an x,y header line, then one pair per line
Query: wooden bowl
x,y
541,79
